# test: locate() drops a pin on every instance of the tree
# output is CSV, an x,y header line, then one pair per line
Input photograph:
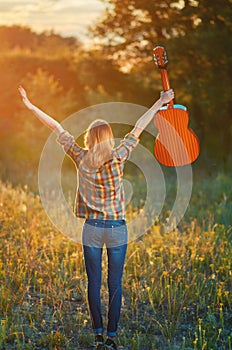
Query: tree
x,y
197,36
24,38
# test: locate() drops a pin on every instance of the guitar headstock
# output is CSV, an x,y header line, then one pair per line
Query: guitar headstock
x,y
160,57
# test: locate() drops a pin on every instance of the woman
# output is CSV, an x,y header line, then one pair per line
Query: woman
x,y
100,200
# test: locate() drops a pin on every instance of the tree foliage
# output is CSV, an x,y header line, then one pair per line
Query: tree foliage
x,y
60,78
198,38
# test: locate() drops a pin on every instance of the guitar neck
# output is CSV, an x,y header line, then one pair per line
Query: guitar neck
x,y
165,81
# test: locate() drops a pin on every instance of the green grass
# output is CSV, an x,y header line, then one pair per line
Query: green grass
x,y
176,287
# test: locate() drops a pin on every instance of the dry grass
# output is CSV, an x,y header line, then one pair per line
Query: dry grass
x,y
176,286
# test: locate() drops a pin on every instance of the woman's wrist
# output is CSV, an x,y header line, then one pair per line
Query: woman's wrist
x,y
160,101
30,106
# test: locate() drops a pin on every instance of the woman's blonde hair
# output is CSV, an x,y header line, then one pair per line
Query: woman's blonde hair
x,y
99,140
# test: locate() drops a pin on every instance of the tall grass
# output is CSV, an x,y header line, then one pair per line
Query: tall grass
x,y
176,286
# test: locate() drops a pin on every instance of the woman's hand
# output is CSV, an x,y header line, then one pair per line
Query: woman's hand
x,y
25,99
43,117
167,96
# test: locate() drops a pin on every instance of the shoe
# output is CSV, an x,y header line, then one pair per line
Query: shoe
x,y
110,344
98,342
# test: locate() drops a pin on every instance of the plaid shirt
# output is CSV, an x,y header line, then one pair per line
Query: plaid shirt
x,y
100,194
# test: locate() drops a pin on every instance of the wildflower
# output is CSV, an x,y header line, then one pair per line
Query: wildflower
x,y
40,280
23,208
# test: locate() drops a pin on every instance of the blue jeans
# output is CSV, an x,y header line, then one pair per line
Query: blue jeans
x,y
112,233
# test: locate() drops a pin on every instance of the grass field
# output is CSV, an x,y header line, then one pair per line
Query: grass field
x,y
176,286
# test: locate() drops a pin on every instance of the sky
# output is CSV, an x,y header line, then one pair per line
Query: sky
x,y
65,17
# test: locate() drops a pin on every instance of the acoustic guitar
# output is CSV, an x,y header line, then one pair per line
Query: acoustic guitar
x,y
176,144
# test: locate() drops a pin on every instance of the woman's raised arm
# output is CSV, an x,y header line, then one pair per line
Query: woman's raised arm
x,y
43,117
147,117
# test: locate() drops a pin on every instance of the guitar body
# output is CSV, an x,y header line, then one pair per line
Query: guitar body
x,y
176,144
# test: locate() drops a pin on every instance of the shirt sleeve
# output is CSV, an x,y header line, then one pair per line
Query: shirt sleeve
x,y
70,146
125,147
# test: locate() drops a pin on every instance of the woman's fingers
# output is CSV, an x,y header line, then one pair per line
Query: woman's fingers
x,y
170,92
22,91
